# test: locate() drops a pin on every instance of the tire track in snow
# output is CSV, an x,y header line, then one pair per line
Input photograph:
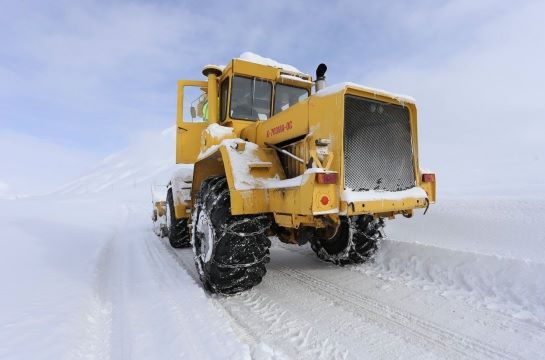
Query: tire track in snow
x,y
505,320
412,326
102,322
184,258
107,334
264,324
160,272
140,307
385,329
286,316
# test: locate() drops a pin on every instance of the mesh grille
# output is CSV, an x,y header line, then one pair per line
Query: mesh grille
x,y
377,146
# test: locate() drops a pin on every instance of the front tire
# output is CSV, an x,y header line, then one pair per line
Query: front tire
x,y
355,241
178,232
230,251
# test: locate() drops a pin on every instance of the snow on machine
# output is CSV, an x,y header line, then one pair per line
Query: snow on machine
x,y
159,215
268,156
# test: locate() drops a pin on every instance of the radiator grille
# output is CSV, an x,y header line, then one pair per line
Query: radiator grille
x,y
378,151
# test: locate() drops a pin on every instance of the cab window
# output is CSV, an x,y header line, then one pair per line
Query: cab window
x,y
224,93
194,104
286,96
250,98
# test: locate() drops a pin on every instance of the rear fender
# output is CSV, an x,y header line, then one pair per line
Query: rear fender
x,y
248,169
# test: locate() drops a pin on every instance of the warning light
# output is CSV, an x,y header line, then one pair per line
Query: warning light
x,y
428,178
326,178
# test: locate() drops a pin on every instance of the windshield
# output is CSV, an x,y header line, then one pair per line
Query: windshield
x,y
286,96
250,98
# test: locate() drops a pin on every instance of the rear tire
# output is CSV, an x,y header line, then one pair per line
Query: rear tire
x,y
178,232
355,242
230,251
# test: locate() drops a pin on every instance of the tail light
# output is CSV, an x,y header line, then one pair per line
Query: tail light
x,y
428,178
326,178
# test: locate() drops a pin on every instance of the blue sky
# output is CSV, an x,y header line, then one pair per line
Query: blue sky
x,y
87,77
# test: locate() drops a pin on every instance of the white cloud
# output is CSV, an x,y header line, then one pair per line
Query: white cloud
x,y
482,117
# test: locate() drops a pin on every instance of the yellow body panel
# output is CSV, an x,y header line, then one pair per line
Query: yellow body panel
x,y
316,119
182,210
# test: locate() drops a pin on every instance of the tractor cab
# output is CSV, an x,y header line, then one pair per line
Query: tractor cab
x,y
246,93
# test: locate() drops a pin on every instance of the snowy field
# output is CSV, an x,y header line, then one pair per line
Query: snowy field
x,y
84,277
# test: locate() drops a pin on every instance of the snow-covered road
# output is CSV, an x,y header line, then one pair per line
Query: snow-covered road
x,y
89,279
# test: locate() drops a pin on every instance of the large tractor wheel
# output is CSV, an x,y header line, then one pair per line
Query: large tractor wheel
x,y
355,242
230,251
178,232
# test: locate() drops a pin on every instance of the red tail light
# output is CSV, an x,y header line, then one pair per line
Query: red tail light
x,y
428,178
326,178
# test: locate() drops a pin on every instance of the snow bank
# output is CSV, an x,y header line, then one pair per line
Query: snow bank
x,y
149,160
47,275
505,227
488,251
512,286
341,86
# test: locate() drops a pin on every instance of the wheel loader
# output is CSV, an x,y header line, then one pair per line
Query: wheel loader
x,y
270,151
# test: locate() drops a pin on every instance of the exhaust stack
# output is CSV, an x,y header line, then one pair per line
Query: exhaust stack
x,y
320,77
212,72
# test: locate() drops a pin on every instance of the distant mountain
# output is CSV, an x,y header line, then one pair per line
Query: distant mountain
x,y
150,160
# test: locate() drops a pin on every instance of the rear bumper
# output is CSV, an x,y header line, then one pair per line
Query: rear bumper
x,y
384,203
383,208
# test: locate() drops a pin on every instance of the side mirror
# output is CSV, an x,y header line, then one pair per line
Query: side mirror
x,y
193,112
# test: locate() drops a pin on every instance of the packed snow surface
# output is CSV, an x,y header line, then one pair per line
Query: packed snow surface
x,y
84,277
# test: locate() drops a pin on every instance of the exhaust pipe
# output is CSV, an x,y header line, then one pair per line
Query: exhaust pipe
x,y
320,77
212,72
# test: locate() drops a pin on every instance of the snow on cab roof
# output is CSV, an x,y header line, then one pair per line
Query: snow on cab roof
x,y
341,86
258,59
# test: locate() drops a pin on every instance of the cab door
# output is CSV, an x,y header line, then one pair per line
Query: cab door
x,y
190,119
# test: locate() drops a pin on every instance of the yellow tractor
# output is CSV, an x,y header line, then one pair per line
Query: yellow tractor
x,y
268,154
